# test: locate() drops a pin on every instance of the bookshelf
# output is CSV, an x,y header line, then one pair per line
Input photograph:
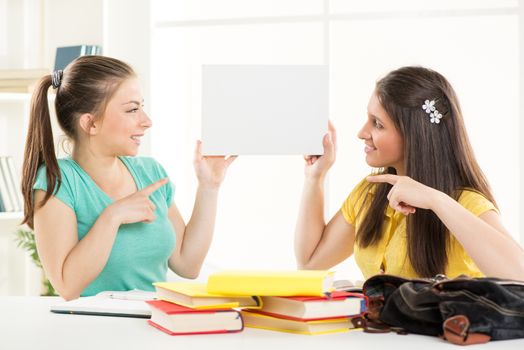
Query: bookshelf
x,y
14,109
14,119
11,216
15,97
17,274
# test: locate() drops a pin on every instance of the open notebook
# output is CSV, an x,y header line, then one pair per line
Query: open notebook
x,y
124,304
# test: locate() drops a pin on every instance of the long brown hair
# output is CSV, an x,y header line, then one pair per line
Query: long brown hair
x,y
87,85
437,155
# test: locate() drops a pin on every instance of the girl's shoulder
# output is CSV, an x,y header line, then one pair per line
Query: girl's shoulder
x,y
363,187
66,166
475,201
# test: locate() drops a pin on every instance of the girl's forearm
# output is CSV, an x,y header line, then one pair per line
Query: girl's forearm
x,y
199,231
310,222
88,258
494,252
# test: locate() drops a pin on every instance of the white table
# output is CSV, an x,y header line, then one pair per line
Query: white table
x,y
27,323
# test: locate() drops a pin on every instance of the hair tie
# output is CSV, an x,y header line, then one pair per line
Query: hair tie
x,y
56,78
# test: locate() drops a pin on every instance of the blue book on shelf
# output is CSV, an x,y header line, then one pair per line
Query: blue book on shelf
x,y
66,54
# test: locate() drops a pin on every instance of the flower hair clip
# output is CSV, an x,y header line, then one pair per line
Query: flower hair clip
x,y
434,114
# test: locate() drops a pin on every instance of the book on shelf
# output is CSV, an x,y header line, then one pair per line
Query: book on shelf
x,y
2,208
258,319
176,319
109,303
338,304
271,283
10,194
195,295
5,191
67,54
13,182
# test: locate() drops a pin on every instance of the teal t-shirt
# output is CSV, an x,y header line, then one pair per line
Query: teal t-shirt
x,y
141,250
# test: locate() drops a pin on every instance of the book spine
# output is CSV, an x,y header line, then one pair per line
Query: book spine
x,y
4,191
15,183
10,184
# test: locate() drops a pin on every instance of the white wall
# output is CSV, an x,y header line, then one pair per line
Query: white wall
x,y
521,114
126,36
71,22
19,35
473,43
3,30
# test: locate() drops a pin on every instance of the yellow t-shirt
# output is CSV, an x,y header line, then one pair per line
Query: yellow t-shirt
x,y
390,255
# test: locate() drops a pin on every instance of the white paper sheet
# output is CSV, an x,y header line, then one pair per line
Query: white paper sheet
x,y
264,109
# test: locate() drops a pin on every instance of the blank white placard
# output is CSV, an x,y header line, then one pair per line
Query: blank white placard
x,y
264,109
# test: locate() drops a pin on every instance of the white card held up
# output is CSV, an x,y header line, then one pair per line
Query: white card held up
x,y
264,109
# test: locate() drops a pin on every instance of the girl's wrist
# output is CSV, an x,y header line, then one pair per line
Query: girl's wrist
x,y
314,180
110,214
208,187
438,200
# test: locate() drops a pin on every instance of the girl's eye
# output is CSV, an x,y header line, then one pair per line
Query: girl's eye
x,y
377,125
134,110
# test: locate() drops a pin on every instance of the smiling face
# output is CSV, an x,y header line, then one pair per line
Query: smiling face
x,y
384,146
124,121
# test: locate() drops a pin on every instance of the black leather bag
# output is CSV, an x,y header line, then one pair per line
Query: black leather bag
x,y
462,310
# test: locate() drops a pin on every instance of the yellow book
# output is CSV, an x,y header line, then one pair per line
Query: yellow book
x,y
271,283
272,323
195,296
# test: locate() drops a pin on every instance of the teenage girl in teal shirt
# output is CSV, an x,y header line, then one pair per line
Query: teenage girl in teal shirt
x,y
103,218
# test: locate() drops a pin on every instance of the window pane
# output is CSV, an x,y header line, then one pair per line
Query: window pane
x,y
168,10
259,199
479,55
355,6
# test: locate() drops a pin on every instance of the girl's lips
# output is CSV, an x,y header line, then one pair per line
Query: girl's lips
x,y
368,149
136,138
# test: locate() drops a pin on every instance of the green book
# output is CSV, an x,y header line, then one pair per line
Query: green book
x,y
66,54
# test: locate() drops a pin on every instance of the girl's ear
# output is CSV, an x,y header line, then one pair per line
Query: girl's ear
x,y
88,125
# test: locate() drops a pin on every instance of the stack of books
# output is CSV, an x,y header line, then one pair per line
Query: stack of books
x,y
187,308
302,302
339,312
10,194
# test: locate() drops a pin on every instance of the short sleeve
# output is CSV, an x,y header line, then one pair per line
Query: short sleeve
x,y
354,202
64,192
475,202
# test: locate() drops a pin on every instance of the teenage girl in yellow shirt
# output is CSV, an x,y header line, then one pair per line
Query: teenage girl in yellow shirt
x,y
428,210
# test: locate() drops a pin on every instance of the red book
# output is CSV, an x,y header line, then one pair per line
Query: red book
x,y
308,308
180,320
